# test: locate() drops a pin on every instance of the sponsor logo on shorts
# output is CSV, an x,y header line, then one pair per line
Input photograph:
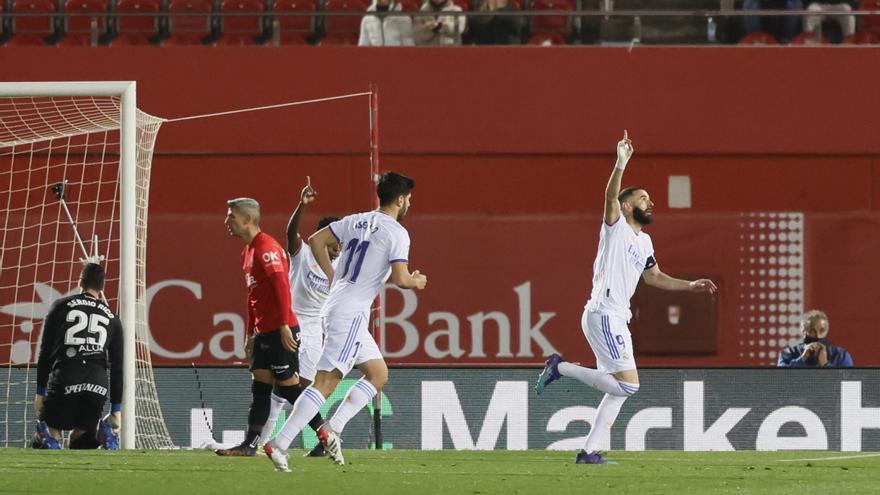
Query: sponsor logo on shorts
x,y
280,368
85,387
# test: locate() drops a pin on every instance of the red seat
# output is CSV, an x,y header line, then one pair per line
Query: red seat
x,y
85,22
340,39
137,29
870,23
556,24
344,24
547,39
241,29
808,38
758,38
410,5
464,4
862,38
32,30
189,29
294,29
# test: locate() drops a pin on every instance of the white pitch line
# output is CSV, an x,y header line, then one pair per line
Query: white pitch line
x,y
839,458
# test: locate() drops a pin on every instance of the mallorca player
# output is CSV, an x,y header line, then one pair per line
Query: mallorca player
x,y
273,333
81,337
625,254
375,246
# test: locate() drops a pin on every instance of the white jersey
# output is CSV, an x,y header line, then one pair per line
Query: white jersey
x,y
308,283
623,256
370,243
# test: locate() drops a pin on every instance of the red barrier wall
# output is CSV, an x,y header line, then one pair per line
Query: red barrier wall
x,y
511,149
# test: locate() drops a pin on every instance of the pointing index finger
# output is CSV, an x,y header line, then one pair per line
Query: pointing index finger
x,y
625,135
308,181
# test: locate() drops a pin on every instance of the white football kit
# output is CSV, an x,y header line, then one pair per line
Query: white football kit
x,y
371,242
308,292
622,257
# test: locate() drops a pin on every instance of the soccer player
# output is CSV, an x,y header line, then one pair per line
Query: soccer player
x,y
625,254
273,334
309,289
81,336
375,246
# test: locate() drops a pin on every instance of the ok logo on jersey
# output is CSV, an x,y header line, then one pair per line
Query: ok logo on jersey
x,y
271,257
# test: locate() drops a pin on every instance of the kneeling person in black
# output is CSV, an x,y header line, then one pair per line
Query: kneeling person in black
x,y
81,338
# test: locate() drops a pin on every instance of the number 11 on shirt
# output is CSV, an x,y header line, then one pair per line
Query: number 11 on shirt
x,y
358,249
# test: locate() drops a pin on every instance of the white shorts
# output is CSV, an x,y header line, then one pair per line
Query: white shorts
x,y
311,340
347,343
610,340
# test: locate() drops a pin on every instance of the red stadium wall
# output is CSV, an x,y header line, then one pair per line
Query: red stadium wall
x,y
511,149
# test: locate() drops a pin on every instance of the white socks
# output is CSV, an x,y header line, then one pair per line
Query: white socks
x,y
306,406
275,407
600,434
599,380
359,395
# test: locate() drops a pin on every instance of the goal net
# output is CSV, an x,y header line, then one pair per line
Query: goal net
x,y
54,134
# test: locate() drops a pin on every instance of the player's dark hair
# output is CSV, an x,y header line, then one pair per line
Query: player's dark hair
x,y
92,277
326,221
626,193
392,186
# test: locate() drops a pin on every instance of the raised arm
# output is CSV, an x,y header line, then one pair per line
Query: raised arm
x,y
294,241
655,278
319,242
612,205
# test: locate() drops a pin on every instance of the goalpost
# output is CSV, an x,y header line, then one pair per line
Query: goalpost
x,y
88,140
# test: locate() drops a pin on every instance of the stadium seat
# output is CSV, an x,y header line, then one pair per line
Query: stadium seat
x,y
246,27
547,39
339,39
85,22
344,25
863,38
759,38
2,23
870,23
189,29
294,29
808,38
410,5
553,24
137,29
32,30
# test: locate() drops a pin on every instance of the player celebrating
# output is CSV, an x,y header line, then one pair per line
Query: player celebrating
x,y
274,341
81,335
375,246
309,288
625,254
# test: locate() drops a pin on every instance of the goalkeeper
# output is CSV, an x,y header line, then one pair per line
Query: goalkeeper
x,y
81,338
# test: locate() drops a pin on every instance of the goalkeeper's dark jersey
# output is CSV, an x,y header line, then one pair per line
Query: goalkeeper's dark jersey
x,y
81,339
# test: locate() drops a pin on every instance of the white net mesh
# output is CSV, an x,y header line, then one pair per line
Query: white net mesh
x,y
74,140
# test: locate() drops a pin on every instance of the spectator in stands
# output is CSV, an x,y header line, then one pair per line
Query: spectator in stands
x,y
783,28
382,29
439,29
495,30
815,351
834,27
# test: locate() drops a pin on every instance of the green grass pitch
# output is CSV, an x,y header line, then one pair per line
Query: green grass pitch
x,y
447,472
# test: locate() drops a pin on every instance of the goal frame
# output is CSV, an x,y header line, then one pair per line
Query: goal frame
x,y
127,93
